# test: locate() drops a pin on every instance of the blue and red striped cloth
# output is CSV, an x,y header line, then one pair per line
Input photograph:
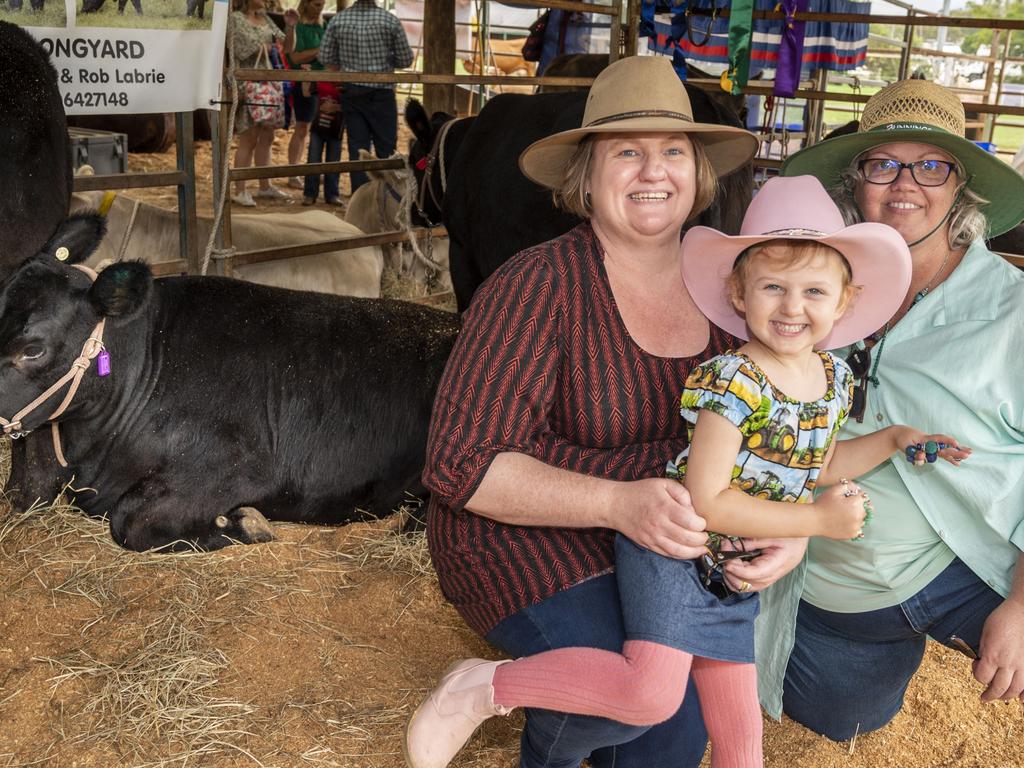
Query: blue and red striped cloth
x,y
837,46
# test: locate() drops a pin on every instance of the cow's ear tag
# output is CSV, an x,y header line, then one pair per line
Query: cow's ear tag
x,y
62,254
103,364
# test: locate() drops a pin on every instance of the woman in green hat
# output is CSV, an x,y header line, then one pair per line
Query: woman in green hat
x,y
943,557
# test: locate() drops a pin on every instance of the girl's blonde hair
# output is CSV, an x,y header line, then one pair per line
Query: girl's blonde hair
x,y
788,253
573,194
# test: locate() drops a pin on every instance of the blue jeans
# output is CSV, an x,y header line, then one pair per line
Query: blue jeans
x,y
849,671
311,186
590,615
371,118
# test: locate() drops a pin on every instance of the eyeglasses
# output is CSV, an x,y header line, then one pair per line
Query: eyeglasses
x,y
860,363
927,173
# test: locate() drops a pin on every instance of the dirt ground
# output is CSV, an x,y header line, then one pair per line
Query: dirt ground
x,y
311,650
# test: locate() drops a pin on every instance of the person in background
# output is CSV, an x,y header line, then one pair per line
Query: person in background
x,y
302,54
325,139
944,557
252,35
366,38
566,32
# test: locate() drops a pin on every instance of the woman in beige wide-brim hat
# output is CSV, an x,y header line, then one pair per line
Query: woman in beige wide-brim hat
x,y
943,558
556,415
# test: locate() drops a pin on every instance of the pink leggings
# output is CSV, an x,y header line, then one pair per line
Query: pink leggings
x,y
644,685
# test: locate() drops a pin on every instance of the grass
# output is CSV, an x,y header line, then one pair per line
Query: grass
x,y
156,14
52,15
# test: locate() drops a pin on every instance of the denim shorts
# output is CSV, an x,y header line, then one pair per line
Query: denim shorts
x,y
664,601
304,107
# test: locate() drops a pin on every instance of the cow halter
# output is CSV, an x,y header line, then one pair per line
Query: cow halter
x,y
93,346
434,160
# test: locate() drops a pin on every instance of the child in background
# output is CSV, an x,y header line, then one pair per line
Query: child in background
x,y
325,134
764,420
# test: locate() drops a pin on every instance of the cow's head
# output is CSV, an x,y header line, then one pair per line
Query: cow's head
x,y
422,156
49,309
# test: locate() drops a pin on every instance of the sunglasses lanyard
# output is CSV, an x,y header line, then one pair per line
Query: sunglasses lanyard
x,y
872,377
956,200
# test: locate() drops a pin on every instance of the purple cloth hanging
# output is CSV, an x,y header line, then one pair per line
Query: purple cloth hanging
x,y
791,48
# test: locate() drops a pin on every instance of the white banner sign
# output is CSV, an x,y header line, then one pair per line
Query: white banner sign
x,y
129,56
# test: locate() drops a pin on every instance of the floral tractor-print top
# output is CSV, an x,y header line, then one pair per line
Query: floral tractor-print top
x,y
785,441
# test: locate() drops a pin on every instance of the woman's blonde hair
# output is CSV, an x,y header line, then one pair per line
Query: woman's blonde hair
x,y
573,195
966,224
305,16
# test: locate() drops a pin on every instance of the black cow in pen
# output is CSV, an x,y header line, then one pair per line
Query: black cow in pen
x,y
214,403
491,210
35,160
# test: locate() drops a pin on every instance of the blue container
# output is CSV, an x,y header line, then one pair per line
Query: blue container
x,y
988,146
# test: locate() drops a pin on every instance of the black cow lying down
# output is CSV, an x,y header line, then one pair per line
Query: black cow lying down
x,y
224,399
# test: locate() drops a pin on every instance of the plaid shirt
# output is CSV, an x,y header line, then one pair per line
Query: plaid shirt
x,y
365,38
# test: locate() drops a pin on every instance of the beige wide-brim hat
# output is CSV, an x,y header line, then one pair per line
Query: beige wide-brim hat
x,y
638,94
925,112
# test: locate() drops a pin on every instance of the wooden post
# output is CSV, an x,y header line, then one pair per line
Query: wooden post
x,y
632,27
615,47
439,53
816,108
185,141
908,42
990,72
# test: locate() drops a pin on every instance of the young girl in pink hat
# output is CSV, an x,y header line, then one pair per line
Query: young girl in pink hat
x,y
794,282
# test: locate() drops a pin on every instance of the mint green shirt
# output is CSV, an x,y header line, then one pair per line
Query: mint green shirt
x,y
954,364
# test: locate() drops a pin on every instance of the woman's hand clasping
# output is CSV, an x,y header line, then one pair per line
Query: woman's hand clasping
x,y
657,514
291,17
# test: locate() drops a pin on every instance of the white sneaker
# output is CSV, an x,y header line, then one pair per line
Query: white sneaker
x,y
272,193
295,182
244,198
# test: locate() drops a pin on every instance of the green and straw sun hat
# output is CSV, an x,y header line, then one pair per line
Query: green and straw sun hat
x,y
925,112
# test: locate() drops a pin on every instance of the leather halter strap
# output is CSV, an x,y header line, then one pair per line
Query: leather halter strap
x,y
90,349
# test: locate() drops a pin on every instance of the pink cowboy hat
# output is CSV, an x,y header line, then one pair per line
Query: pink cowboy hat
x,y
799,208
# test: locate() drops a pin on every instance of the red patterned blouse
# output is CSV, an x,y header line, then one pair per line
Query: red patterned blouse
x,y
543,366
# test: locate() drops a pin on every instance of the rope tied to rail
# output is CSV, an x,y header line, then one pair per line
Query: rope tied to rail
x,y
405,222
127,230
218,213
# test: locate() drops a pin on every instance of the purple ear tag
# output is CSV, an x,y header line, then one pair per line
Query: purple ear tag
x,y
103,363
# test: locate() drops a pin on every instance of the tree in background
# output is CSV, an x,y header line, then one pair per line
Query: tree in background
x,y
992,9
